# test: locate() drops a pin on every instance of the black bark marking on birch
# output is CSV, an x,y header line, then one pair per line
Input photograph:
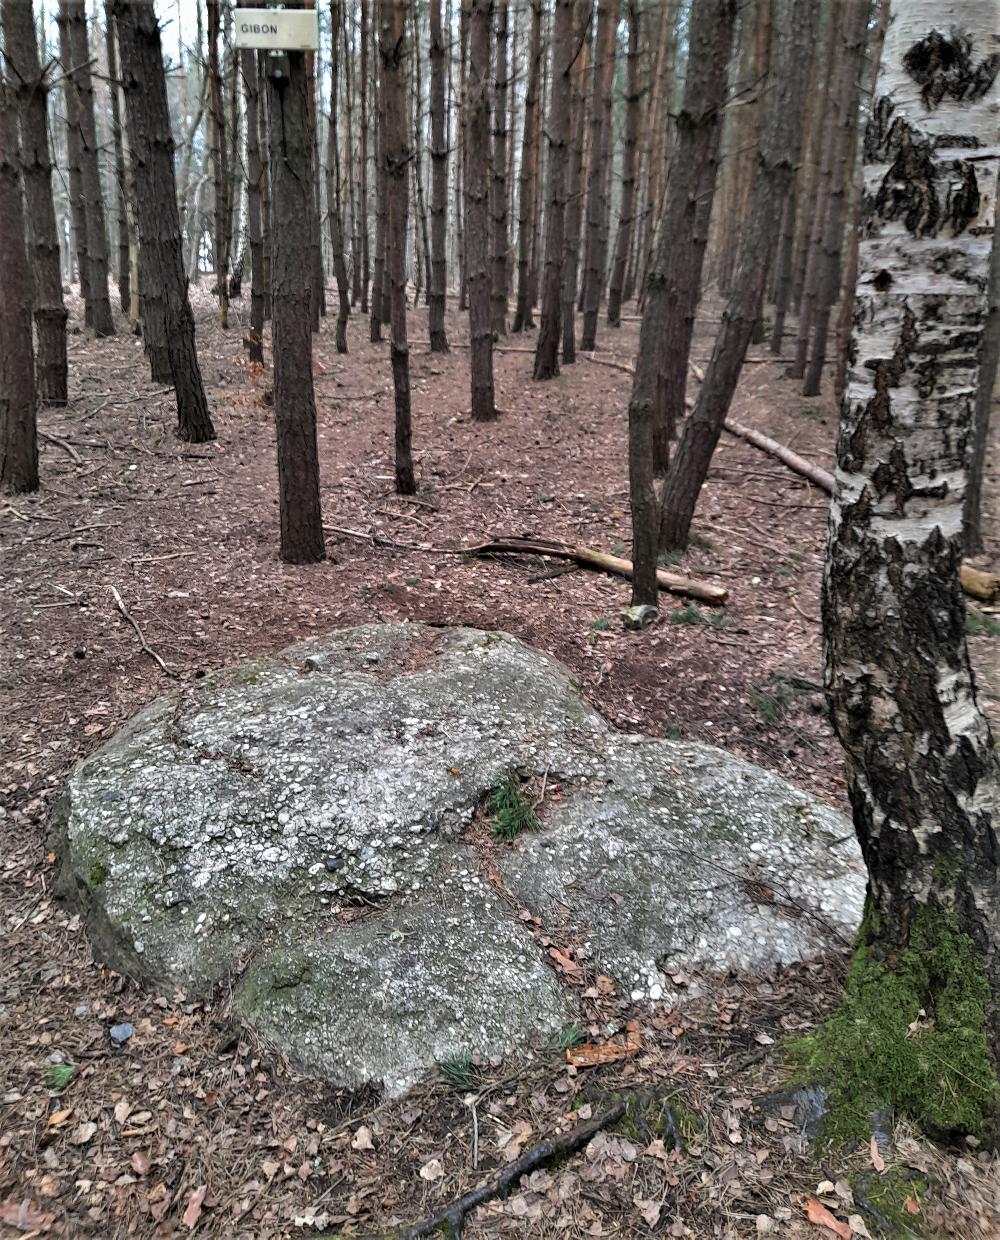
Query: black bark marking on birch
x,y
907,191
963,196
943,67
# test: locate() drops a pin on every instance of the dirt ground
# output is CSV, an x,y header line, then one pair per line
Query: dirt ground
x,y
192,1127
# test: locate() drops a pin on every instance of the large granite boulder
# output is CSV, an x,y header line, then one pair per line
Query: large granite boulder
x,y
307,830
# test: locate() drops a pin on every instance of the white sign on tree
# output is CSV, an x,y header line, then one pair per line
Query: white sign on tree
x,y
282,30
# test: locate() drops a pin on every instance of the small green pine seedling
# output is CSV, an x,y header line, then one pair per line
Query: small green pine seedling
x,y
413,581
459,1071
691,614
674,733
771,706
600,626
669,557
567,1037
512,811
59,1075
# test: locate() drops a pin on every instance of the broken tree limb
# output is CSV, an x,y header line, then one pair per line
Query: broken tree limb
x,y
815,473
601,560
975,582
452,1218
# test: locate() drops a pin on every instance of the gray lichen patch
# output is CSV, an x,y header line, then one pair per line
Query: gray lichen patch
x,y
234,821
383,999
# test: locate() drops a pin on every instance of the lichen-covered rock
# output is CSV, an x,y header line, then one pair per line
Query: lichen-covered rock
x,y
297,827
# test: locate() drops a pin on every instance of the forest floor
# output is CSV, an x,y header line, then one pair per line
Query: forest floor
x,y
194,1128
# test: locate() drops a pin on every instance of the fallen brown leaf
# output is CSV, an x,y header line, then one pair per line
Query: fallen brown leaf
x,y
818,1214
192,1211
878,1162
592,1053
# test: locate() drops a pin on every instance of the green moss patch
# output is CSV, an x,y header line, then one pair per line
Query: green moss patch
x,y
883,1199
910,1035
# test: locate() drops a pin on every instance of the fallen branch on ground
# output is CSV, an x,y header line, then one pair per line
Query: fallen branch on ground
x,y
61,443
975,581
451,1219
147,649
815,473
602,561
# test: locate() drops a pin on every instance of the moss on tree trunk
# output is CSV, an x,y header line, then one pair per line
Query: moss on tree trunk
x,y
910,1036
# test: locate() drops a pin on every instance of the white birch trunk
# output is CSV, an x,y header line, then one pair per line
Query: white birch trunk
x,y
921,765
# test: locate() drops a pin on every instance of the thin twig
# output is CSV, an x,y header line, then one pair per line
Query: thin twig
x,y
138,632
61,443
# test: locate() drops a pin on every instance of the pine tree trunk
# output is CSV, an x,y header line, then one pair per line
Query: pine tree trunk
x,y
574,180
987,395
439,187
364,204
350,162
220,164
547,345
291,312
18,433
396,149
317,303
265,183
421,235
626,219
465,13
28,84
498,182
831,240
255,336
529,172
776,161
673,282
162,254
922,771
377,314
121,212
477,193
334,203
662,92
830,133
598,204
71,105
845,312
101,318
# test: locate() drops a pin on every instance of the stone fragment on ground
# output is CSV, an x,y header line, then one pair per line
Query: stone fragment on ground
x,y
301,829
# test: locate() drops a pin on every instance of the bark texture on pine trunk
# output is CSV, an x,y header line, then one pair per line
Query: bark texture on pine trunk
x,y
124,261
255,235
626,218
673,280
773,176
101,318
392,50
165,287
550,330
71,105
334,198
529,173
477,133
670,299
439,187
498,180
987,397
922,770
31,92
291,311
220,164
574,181
18,432
598,178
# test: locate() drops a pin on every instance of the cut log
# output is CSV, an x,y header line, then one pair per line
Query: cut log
x,y
674,583
980,584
